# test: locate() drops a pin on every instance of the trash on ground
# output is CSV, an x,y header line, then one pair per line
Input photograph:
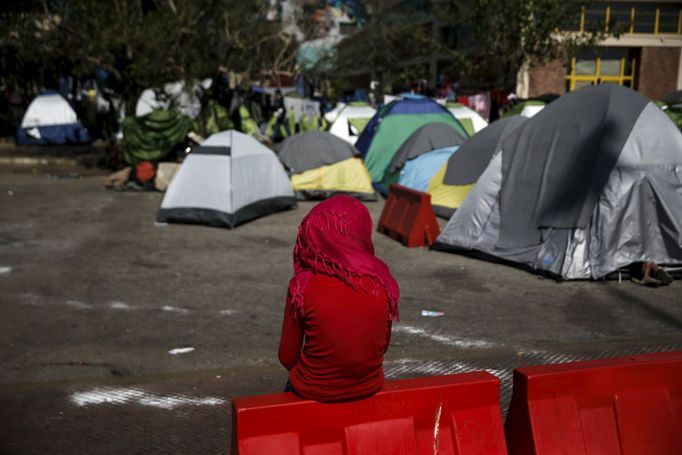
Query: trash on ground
x,y
177,351
432,314
160,224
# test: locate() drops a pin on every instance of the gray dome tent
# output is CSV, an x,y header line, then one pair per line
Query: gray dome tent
x,y
450,186
322,165
425,139
313,149
589,185
230,179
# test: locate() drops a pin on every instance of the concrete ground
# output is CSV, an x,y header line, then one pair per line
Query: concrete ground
x,y
95,296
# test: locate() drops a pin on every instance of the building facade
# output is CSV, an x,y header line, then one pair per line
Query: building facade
x,y
646,56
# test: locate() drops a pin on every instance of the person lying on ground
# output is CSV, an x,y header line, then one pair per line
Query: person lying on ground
x,y
340,306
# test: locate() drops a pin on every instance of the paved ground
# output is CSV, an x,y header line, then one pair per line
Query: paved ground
x,y
94,295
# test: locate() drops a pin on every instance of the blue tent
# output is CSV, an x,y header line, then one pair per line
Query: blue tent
x,y
50,119
418,172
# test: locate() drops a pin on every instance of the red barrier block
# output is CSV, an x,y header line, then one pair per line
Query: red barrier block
x,y
628,406
408,217
454,414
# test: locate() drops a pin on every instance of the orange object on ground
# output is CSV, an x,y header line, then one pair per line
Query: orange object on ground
x,y
145,171
630,406
408,217
454,414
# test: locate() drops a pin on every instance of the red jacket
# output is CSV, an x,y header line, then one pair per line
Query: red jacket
x,y
335,350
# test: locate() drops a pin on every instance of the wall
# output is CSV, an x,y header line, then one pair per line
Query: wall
x,y
547,78
657,75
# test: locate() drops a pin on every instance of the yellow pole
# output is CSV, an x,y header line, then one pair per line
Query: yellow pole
x,y
632,19
582,19
658,16
608,17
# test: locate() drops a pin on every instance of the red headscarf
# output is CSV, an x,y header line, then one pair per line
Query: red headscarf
x,y
335,239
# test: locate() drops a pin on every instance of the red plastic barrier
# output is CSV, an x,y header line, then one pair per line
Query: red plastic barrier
x,y
408,217
454,414
628,406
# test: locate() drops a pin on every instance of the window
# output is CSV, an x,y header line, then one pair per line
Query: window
x,y
621,16
645,19
601,66
629,17
669,18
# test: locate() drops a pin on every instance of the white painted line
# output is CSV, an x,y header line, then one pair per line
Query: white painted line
x,y
115,305
5,270
228,312
108,395
174,309
78,304
448,340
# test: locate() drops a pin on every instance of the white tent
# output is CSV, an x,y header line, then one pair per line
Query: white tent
x,y
230,179
529,110
176,95
50,119
350,121
465,114
331,115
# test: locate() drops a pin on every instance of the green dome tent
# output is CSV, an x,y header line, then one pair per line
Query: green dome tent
x,y
393,124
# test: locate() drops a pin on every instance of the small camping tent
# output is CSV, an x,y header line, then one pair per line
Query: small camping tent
x,y
393,124
430,137
469,118
50,119
453,181
589,185
418,172
230,179
349,121
526,108
323,165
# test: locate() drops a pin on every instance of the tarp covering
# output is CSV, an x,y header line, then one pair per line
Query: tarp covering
x,y
152,136
555,167
313,149
177,96
590,185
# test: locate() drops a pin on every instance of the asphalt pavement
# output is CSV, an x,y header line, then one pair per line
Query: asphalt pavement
x,y
119,335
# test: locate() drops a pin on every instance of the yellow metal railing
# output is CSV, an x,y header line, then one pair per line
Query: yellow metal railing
x,y
633,16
